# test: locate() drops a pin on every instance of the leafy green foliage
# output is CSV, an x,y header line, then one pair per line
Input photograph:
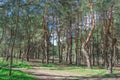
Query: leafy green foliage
x,y
28,28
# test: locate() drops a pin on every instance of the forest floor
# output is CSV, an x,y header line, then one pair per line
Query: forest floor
x,y
42,74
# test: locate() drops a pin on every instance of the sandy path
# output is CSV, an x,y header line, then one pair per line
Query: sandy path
x,y
41,74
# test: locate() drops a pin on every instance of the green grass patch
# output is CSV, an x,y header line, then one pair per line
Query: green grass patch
x,y
16,75
16,64
82,70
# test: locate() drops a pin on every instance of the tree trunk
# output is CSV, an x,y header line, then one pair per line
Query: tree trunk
x,y
89,35
87,57
45,40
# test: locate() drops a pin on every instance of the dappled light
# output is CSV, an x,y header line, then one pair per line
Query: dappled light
x,y
59,39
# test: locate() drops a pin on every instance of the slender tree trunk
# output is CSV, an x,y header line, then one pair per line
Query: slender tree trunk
x,y
59,46
45,40
28,39
13,36
70,54
113,40
70,41
53,37
11,58
53,50
28,48
67,41
97,49
85,52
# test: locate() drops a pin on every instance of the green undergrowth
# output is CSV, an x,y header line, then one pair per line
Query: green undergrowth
x,y
82,70
16,75
16,64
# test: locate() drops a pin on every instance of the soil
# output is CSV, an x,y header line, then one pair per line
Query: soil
x,y
40,74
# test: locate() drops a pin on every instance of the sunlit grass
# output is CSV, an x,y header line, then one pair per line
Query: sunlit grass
x,y
82,70
16,64
16,75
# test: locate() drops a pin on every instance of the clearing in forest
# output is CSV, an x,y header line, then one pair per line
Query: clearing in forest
x,y
63,72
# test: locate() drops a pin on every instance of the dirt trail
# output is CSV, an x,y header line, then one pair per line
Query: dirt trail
x,y
41,74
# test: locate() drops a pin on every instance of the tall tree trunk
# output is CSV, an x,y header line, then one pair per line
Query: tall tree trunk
x,y
53,50
70,41
45,39
13,39
53,35
28,48
11,54
89,35
59,46
28,40
113,39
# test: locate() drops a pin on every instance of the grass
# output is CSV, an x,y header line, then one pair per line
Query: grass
x,y
16,64
76,69
16,75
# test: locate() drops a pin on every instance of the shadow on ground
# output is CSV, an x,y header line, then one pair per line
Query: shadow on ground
x,y
50,76
65,77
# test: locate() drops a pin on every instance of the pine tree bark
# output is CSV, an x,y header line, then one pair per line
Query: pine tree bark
x,y
85,52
